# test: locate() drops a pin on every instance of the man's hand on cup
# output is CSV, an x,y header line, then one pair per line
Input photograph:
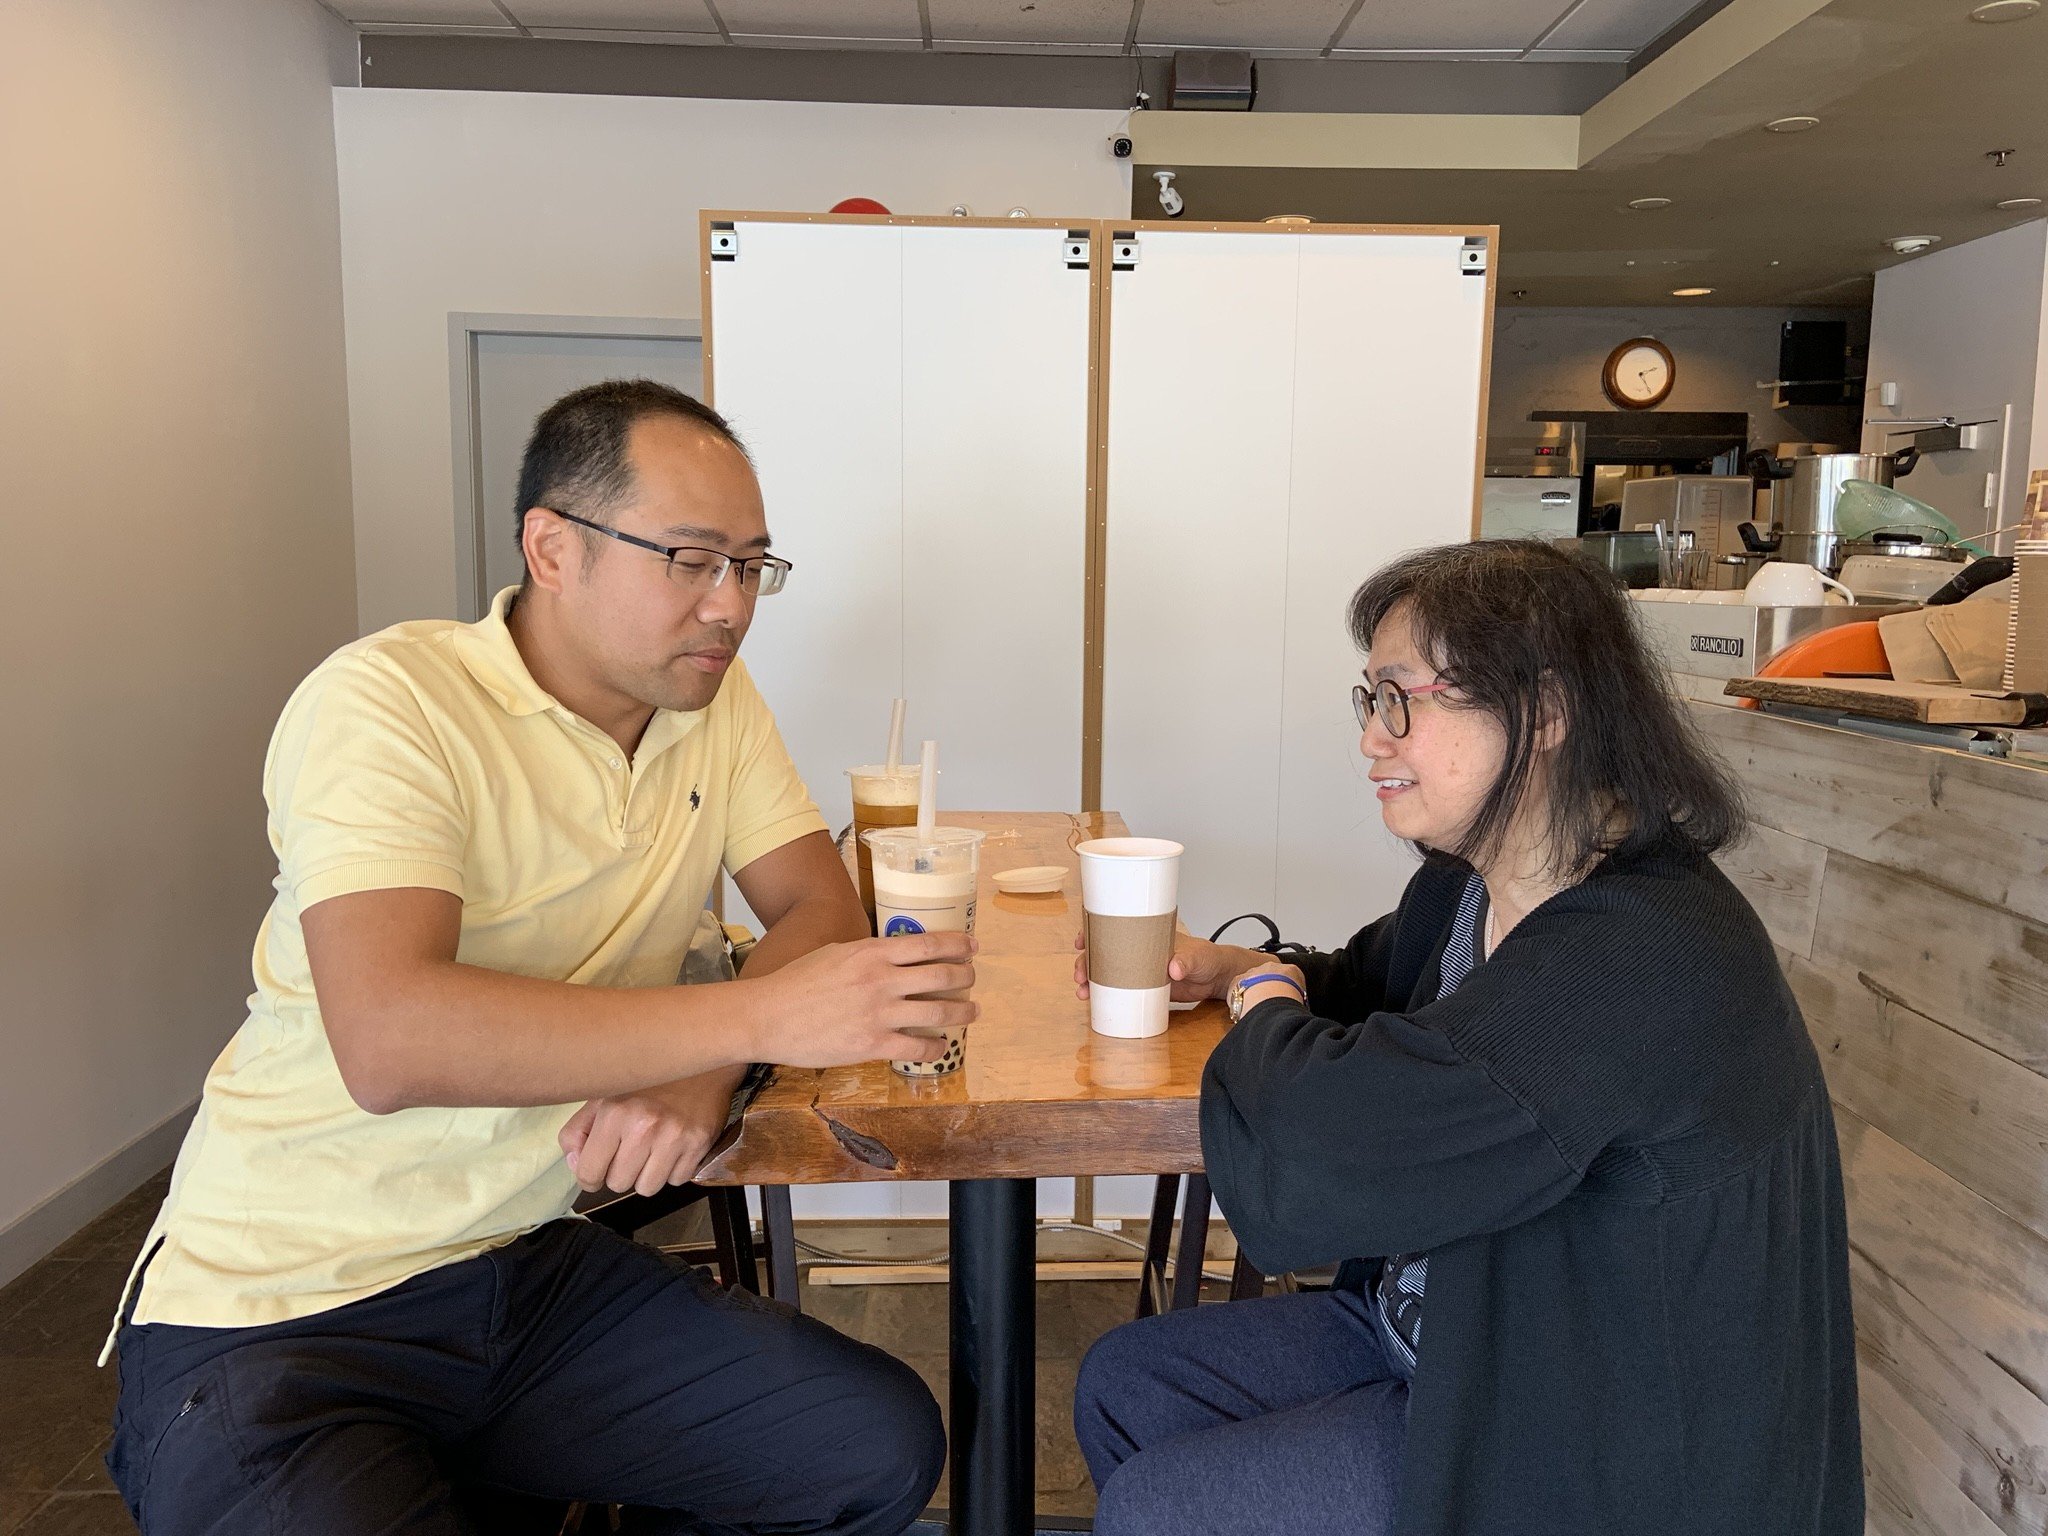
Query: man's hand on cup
x,y
848,1003
1198,970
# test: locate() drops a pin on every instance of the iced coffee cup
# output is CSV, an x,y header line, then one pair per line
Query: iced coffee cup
x,y
1130,890
925,884
881,798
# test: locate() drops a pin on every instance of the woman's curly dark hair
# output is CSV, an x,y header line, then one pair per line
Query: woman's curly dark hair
x,y
1519,626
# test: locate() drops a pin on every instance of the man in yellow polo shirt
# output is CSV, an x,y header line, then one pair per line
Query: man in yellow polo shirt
x,y
362,1303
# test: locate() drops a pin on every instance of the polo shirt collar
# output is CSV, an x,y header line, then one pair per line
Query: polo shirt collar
x,y
487,650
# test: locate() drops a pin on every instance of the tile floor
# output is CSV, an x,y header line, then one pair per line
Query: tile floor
x,y
55,1408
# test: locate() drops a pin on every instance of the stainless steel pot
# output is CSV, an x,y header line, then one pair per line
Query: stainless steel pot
x,y
1804,493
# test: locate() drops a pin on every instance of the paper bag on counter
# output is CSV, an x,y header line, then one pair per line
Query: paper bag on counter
x,y
1972,639
1913,654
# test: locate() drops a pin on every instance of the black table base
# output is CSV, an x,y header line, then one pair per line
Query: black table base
x,y
994,1333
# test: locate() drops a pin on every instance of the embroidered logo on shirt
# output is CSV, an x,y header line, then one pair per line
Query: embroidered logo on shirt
x,y
694,799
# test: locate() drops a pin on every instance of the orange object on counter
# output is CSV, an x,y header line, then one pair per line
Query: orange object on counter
x,y
1843,649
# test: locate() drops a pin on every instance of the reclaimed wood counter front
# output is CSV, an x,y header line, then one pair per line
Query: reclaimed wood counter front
x,y
1906,888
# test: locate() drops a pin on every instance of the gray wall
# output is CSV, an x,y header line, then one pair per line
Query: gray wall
x,y
1961,332
172,422
1551,359
504,203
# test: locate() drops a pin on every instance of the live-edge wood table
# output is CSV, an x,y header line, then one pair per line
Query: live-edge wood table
x,y
1040,1096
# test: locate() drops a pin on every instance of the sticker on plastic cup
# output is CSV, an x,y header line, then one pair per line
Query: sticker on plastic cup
x,y
897,925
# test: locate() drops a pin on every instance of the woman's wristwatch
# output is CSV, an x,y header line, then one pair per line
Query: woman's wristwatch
x,y
1234,999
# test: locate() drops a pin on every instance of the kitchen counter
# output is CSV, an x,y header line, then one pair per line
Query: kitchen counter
x,y
1906,889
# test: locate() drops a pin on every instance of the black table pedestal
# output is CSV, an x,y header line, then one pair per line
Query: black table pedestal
x,y
994,1334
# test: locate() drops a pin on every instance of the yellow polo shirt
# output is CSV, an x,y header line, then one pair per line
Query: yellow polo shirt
x,y
427,756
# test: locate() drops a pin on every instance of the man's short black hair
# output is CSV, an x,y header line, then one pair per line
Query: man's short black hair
x,y
576,459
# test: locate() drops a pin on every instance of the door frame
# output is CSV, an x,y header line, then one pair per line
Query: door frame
x,y
464,415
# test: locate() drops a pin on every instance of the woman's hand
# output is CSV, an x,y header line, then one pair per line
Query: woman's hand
x,y
1198,970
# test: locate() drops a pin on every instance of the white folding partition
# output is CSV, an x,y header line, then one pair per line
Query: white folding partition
x,y
917,400
1286,413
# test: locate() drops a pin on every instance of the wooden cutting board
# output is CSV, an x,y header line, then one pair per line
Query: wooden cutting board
x,y
1926,703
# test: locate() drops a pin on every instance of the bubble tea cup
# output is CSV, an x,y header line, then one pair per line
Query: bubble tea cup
x,y
882,797
925,884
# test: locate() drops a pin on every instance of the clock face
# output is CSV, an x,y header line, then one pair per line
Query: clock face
x,y
1639,373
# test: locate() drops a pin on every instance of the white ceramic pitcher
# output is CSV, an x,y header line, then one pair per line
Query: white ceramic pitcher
x,y
1789,584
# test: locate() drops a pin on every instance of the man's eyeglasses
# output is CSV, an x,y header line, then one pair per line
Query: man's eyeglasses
x,y
1389,700
700,569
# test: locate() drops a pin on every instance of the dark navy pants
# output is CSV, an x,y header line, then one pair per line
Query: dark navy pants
x,y
570,1364
1244,1417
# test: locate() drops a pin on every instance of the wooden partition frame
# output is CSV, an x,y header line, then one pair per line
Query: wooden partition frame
x,y
1100,233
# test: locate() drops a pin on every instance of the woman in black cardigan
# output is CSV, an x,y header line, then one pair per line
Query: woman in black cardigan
x,y
1562,1099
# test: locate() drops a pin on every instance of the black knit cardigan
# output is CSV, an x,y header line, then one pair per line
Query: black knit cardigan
x,y
1614,1142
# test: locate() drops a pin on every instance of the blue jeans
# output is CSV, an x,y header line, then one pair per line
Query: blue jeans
x,y
1282,1414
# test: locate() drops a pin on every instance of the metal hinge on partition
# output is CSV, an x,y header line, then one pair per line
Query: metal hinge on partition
x,y
1075,250
1123,251
1472,259
725,241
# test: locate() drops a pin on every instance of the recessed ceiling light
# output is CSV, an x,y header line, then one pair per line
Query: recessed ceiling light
x,y
2012,203
1645,204
1791,124
1911,245
1690,293
2005,10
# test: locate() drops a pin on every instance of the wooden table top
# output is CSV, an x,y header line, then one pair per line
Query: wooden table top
x,y
1040,1095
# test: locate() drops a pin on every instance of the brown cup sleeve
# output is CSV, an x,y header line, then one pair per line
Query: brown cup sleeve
x,y
1129,951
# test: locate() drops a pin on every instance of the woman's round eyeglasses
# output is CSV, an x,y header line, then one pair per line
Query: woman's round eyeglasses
x,y
700,569
1389,700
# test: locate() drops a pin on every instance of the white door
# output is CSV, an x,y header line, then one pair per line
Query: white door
x,y
517,375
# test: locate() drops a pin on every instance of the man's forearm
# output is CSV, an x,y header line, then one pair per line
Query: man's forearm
x,y
808,925
457,1035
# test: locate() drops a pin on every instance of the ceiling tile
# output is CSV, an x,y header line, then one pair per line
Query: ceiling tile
x,y
425,13
1031,21
1630,24
873,20
615,15
1452,26
1253,24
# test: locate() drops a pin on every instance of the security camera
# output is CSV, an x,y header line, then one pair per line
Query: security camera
x,y
1171,203
1120,145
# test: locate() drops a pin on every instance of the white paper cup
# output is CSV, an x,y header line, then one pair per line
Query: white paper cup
x,y
1125,879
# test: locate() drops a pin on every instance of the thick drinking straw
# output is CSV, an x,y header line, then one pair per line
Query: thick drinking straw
x,y
895,737
928,792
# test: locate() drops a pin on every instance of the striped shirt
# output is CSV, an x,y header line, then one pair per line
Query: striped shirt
x,y
1404,1276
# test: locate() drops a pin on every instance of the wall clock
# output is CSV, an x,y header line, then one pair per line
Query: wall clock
x,y
1639,373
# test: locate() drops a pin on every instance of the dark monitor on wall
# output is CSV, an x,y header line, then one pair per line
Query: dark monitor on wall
x,y
1813,363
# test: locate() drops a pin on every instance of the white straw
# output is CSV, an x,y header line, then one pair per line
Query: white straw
x,y
895,737
928,791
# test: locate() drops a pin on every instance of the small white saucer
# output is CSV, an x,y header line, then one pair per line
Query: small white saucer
x,y
1034,879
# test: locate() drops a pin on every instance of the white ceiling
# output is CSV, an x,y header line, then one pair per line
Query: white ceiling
x,y
1557,30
